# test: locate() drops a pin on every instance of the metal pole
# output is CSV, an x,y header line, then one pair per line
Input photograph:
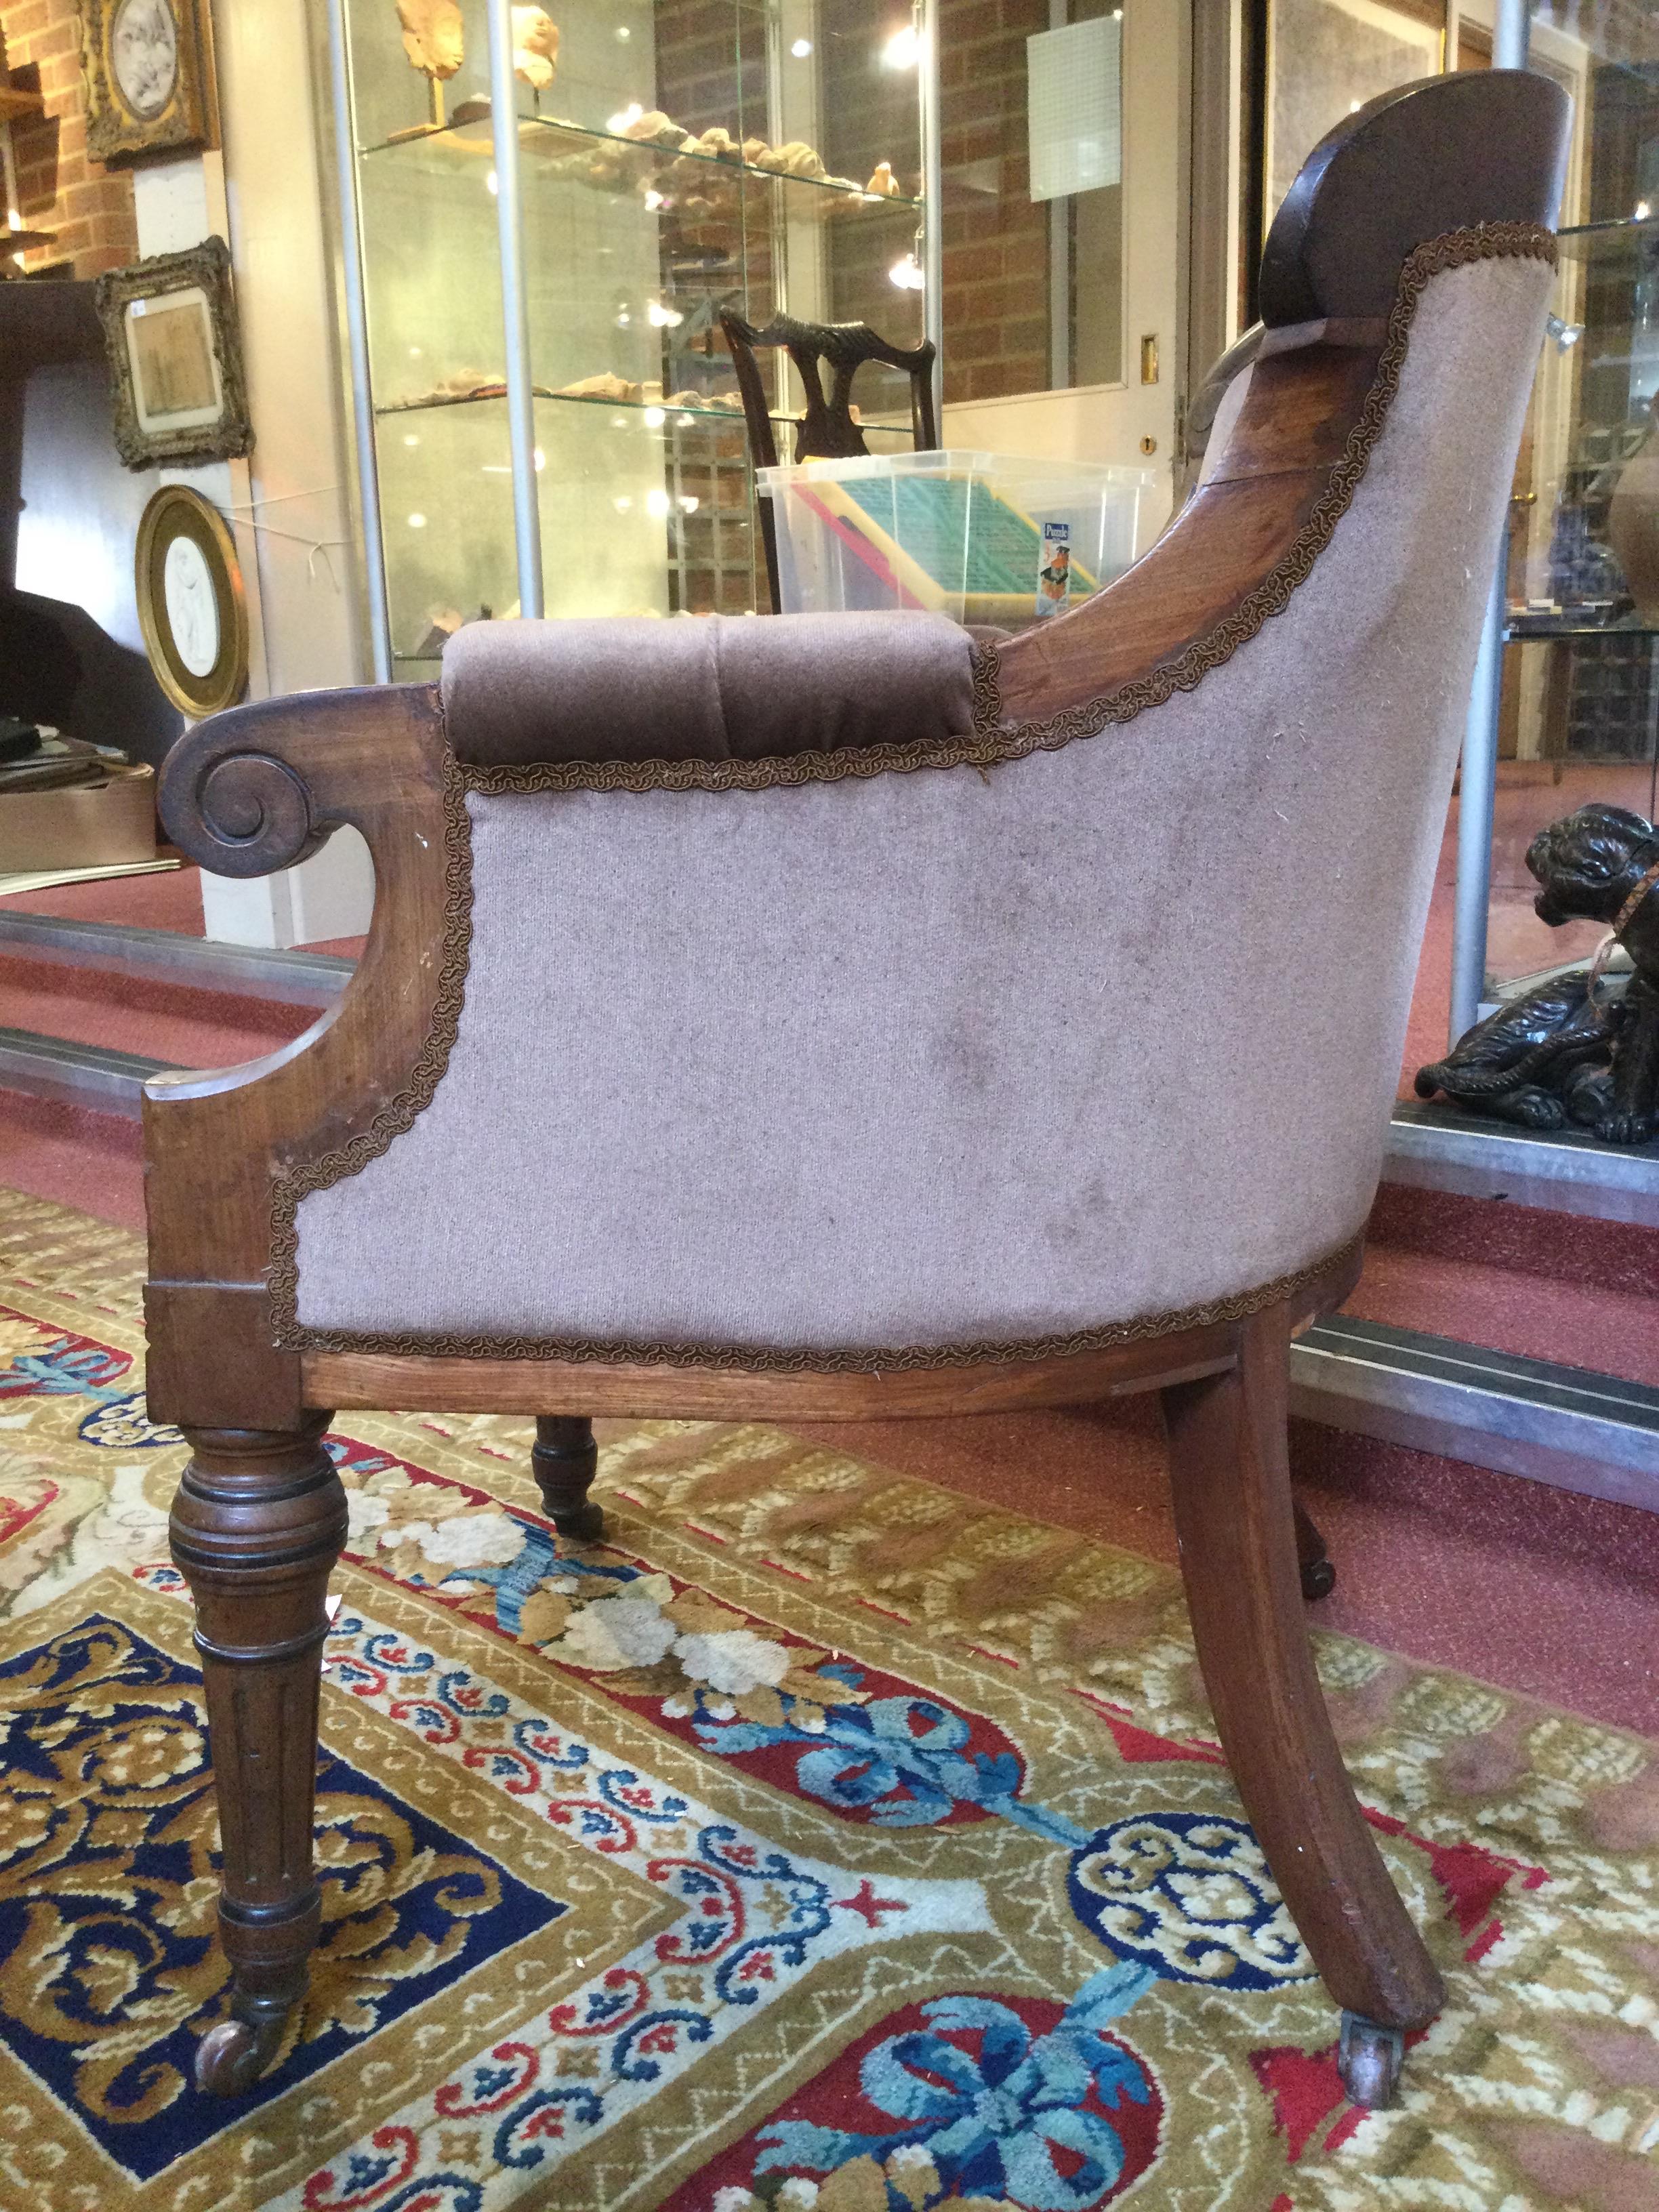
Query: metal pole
x,y
357,319
1510,28
515,314
933,223
1477,795
1478,787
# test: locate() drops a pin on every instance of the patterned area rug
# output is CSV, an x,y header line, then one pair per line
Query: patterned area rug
x,y
820,1842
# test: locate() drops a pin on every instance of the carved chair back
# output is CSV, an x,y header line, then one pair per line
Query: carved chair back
x,y
826,430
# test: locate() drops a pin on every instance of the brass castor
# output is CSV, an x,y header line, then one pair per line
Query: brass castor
x,y
235,2052
1369,2057
1318,1580
564,1461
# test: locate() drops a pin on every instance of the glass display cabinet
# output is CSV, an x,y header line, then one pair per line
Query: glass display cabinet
x,y
672,160
1579,709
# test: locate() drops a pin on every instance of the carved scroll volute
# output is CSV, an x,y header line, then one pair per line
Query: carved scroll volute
x,y
240,814
261,787
258,788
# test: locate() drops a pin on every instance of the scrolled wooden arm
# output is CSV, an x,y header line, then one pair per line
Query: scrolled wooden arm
x,y
264,786
258,788
239,813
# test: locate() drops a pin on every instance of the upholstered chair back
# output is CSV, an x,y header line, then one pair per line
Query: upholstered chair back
x,y
949,1055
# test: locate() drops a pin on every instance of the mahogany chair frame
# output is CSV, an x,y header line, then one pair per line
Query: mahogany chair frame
x,y
260,1517
826,431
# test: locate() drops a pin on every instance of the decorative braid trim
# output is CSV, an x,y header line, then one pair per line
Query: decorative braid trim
x,y
992,741
990,744
290,1184
767,1359
1454,249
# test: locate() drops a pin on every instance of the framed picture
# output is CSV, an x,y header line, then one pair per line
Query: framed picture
x,y
146,82
170,326
190,608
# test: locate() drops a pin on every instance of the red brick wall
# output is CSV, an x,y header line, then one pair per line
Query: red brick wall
x,y
89,207
995,241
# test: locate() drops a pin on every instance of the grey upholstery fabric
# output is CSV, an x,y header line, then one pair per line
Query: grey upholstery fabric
x,y
718,688
943,1057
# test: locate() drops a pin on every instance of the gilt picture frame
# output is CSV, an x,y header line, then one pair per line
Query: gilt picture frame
x,y
175,358
145,66
190,606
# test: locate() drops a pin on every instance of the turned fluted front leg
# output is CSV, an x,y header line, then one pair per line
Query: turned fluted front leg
x,y
258,1524
564,1461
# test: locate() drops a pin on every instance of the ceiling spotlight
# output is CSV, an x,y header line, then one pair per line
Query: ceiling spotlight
x,y
907,274
801,48
623,117
903,50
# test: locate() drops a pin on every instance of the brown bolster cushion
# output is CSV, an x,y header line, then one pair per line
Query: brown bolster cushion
x,y
713,687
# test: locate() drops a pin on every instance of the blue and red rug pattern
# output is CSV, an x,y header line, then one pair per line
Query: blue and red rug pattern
x,y
814,1844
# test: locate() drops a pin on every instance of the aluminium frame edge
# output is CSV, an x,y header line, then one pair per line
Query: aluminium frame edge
x,y
355,363
515,310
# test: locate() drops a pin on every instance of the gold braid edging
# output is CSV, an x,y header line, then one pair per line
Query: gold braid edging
x,y
290,1185
766,1360
1454,249
992,742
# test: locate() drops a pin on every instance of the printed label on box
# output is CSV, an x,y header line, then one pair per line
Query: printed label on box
x,y
1053,586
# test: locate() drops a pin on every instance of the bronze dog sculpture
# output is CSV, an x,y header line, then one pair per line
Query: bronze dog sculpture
x,y
1569,1051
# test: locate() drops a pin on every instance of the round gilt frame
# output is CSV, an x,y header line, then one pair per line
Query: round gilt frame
x,y
177,511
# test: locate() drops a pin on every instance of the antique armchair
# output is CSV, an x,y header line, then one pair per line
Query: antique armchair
x,y
826,430
775,1020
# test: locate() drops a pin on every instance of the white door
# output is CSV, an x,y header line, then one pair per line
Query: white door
x,y
1115,256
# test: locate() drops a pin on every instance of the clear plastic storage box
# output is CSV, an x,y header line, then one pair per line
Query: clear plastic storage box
x,y
984,537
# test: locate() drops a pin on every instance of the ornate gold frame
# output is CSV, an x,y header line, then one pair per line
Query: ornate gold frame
x,y
114,133
206,268
177,511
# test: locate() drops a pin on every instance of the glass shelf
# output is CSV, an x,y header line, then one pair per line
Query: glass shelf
x,y
670,414
632,250
1595,241
556,145
1521,629
659,408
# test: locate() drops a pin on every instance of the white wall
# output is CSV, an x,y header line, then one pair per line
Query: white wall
x,y
288,503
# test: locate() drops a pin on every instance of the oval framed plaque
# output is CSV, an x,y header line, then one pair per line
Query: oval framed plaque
x,y
190,607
